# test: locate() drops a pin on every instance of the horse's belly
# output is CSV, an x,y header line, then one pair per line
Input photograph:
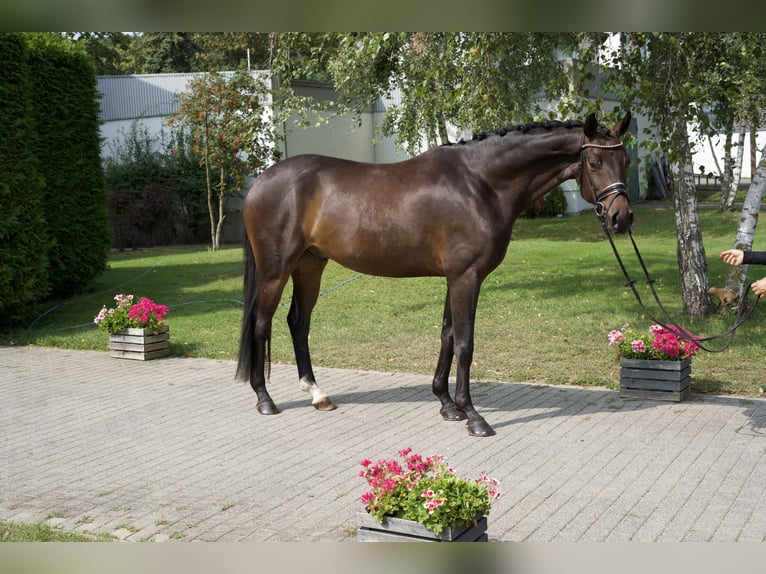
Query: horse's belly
x,y
385,261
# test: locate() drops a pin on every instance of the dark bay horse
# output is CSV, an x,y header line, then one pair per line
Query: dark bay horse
x,y
446,212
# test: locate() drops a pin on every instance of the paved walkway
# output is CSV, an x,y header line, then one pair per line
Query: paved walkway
x,y
173,449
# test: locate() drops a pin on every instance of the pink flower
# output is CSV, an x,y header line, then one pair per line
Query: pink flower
x,y
615,337
638,346
428,494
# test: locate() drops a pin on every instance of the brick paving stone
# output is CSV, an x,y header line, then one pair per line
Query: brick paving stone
x,y
155,451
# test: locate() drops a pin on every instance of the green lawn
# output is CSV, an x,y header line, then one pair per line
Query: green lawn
x,y
41,532
543,314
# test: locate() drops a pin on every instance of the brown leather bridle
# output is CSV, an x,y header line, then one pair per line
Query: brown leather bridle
x,y
613,190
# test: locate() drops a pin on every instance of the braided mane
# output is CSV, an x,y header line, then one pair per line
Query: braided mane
x,y
529,127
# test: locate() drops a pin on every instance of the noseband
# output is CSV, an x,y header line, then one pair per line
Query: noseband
x,y
613,190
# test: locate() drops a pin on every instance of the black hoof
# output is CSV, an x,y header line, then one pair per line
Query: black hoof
x,y
452,413
479,428
267,408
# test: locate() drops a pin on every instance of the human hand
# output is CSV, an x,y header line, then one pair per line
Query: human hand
x,y
759,287
733,256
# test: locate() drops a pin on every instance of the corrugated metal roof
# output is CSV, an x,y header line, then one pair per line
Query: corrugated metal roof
x,y
141,95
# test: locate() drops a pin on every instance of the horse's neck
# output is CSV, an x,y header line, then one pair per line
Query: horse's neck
x,y
527,166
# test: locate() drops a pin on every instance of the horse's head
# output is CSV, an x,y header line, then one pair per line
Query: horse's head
x,y
603,173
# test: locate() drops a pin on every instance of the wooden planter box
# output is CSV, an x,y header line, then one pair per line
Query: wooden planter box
x,y
660,380
400,530
140,344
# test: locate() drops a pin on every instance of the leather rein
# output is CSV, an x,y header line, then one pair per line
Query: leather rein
x,y
601,209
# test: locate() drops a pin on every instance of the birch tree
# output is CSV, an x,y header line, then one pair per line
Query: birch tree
x,y
729,193
735,278
751,107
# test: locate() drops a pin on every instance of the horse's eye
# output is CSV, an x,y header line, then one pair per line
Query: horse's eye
x,y
595,164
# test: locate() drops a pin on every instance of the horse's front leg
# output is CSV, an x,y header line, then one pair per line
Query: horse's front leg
x,y
463,300
449,410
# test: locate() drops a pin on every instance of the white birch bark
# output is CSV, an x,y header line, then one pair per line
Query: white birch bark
x,y
692,262
727,199
735,278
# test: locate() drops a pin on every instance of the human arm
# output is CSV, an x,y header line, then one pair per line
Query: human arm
x,y
754,257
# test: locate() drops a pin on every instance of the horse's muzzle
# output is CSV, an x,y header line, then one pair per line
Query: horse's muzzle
x,y
617,215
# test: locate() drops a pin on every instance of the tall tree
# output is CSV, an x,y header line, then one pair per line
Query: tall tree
x,y
229,51
166,52
233,136
750,105
107,49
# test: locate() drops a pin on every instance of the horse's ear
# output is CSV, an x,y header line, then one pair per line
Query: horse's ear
x,y
622,126
591,125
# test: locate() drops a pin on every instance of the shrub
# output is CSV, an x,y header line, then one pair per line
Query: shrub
x,y
156,189
551,205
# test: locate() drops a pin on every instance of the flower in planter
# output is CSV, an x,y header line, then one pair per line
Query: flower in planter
x,y
659,344
146,314
425,490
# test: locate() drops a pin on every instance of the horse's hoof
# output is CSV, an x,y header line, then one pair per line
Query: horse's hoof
x,y
479,428
267,408
452,413
324,404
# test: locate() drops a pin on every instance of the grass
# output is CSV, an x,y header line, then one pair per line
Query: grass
x,y
41,532
543,314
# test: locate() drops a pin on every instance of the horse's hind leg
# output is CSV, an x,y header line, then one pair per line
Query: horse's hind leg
x,y
307,278
269,295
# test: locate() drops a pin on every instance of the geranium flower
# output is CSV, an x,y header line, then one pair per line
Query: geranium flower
x,y
425,490
144,314
660,344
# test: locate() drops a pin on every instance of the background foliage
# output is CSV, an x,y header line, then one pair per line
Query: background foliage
x,y
156,189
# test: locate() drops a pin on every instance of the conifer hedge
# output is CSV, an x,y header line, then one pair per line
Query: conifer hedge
x,y
23,236
66,113
54,235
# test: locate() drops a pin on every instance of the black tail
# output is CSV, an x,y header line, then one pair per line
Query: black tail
x,y
247,337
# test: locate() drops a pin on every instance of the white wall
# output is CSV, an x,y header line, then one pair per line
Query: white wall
x,y
703,155
114,132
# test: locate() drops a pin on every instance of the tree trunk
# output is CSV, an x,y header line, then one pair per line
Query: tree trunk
x,y
209,184
726,171
753,143
221,214
692,262
731,196
735,278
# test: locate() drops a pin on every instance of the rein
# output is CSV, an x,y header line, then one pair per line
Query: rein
x,y
601,210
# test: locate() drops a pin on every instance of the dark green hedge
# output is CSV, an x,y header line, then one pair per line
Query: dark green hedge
x,y
66,111
54,235
23,234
